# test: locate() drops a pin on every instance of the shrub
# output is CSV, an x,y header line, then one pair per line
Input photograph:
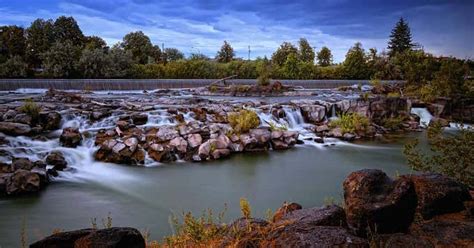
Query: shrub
x,y
393,123
351,123
451,155
243,121
30,108
245,208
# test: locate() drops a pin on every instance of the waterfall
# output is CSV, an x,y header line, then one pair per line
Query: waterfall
x,y
424,114
294,118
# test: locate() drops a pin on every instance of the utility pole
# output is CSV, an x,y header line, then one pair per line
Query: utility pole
x,y
249,53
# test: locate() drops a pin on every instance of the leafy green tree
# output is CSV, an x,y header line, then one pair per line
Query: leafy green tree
x,y
119,62
39,38
306,52
12,42
291,67
281,54
452,155
400,38
449,80
226,54
198,56
59,61
140,46
95,42
324,57
93,63
355,64
173,54
14,67
66,29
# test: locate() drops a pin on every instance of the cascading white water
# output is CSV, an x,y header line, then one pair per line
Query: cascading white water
x,y
424,114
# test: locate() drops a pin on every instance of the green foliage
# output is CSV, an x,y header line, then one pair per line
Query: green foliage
x,y
94,63
65,29
355,64
173,54
400,38
351,123
30,108
451,154
245,208
393,123
59,61
305,51
324,57
226,54
14,67
280,56
264,77
95,42
243,121
141,48
276,127
39,38
12,42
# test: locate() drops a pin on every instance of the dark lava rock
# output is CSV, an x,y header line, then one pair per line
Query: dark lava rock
x,y
325,216
50,120
22,164
22,181
71,137
116,237
285,209
14,129
374,201
438,194
56,159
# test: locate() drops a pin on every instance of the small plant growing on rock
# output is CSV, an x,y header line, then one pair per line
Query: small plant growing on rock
x,y
245,208
351,123
277,127
30,108
243,121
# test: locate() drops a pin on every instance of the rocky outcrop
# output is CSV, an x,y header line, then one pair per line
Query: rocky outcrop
x,y
57,160
376,202
115,237
14,129
121,152
70,137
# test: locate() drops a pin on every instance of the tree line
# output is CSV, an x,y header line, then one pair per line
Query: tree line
x,y
59,49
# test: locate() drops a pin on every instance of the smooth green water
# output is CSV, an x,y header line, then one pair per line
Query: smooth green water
x,y
145,197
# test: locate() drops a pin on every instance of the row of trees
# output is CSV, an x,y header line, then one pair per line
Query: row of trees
x,y
59,49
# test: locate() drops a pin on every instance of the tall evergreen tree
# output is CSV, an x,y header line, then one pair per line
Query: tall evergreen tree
x,y
400,38
306,52
355,64
226,54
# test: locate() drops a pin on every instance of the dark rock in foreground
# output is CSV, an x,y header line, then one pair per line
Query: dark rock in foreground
x,y
116,237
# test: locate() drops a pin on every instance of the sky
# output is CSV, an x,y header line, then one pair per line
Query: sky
x,y
200,26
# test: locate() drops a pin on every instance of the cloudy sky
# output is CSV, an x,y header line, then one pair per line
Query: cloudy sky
x,y
442,27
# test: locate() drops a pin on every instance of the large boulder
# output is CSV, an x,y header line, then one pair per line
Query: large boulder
x,y
115,237
50,120
166,133
22,164
70,137
438,194
194,140
57,160
374,202
121,152
285,209
332,215
22,181
14,129
161,153
313,113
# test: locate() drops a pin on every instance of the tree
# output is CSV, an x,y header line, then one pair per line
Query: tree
x,y
291,67
198,56
60,59
140,46
95,42
93,63
14,67
226,54
306,52
449,80
400,38
173,54
39,38
355,64
119,62
12,42
324,57
281,54
65,29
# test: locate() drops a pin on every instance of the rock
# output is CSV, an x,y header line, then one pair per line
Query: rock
x,y
115,237
220,153
440,121
313,113
123,125
56,159
349,137
302,235
14,129
162,154
206,148
286,208
166,133
194,140
322,128
398,240
139,119
132,143
50,120
23,118
116,151
180,144
70,137
22,164
9,115
332,215
438,194
376,202
335,132
262,135
248,142
22,181
222,142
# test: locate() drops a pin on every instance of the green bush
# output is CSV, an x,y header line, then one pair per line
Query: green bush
x,y
393,123
30,108
451,155
351,123
244,120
